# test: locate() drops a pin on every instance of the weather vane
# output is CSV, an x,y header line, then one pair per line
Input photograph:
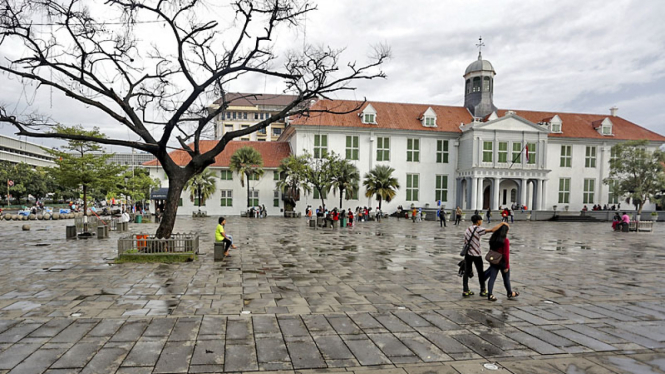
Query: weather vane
x,y
480,46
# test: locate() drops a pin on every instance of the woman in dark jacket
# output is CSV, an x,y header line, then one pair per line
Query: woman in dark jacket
x,y
500,243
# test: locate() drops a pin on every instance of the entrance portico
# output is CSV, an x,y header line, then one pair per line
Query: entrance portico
x,y
480,189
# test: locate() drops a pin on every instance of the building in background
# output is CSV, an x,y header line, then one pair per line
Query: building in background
x,y
247,109
16,151
473,156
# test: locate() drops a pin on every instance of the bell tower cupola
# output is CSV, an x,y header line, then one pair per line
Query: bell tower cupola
x,y
479,85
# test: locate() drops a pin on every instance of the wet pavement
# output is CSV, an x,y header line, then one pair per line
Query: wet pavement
x,y
380,296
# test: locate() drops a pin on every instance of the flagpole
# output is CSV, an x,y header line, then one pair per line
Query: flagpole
x,y
516,157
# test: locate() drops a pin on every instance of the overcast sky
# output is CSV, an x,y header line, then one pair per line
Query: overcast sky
x,y
549,55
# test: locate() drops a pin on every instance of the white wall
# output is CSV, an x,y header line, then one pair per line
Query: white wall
x,y
427,168
266,187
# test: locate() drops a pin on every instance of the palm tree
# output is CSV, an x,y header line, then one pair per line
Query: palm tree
x,y
345,178
247,162
380,182
293,170
202,186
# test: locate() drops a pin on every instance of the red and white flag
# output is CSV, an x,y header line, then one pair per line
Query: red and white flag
x,y
527,153
10,183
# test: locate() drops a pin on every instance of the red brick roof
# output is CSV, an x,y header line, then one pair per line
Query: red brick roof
x,y
251,99
401,116
272,152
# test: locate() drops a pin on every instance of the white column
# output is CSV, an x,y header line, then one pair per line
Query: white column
x,y
543,196
539,195
474,192
523,193
481,194
497,196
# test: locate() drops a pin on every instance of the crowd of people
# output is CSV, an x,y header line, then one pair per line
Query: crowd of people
x,y
332,217
597,207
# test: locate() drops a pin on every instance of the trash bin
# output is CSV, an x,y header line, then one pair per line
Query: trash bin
x,y
343,222
139,218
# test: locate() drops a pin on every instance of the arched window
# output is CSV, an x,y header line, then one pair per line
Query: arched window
x,y
486,84
468,86
476,84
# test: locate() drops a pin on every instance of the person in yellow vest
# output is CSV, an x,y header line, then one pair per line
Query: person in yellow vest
x,y
220,236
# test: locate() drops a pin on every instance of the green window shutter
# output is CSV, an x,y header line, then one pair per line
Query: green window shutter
x,y
348,142
356,156
438,182
317,141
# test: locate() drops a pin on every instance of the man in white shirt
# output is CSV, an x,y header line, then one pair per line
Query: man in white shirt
x,y
124,217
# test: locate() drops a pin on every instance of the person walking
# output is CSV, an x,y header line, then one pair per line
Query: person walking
x,y
500,244
220,236
488,214
442,217
473,256
350,215
399,212
458,216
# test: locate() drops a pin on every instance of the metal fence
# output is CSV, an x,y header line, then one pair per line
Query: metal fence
x,y
93,222
112,223
141,244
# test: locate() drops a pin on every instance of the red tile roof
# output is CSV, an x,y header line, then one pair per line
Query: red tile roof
x,y
401,116
394,116
576,125
252,99
272,152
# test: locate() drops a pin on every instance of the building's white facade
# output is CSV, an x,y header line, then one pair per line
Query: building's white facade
x,y
17,151
474,156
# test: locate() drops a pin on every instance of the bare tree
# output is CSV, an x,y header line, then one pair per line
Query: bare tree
x,y
160,92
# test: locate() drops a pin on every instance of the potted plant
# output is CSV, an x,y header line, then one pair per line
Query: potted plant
x,y
654,216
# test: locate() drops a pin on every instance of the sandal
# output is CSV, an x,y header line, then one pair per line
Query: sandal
x,y
491,298
467,293
483,293
513,295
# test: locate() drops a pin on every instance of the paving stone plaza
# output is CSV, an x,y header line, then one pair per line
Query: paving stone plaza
x,y
377,298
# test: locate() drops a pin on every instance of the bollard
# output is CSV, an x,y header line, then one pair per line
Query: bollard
x,y
70,232
56,216
26,228
219,251
47,216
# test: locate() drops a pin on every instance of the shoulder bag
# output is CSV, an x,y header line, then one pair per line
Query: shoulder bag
x,y
493,257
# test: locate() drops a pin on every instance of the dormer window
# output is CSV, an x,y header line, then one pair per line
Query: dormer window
x,y
606,130
555,124
428,119
368,116
556,127
604,127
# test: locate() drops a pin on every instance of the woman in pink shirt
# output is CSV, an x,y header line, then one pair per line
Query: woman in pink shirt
x,y
500,243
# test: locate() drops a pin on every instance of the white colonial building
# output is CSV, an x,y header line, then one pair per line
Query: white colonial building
x,y
475,156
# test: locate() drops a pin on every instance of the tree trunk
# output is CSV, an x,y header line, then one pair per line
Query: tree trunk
x,y
341,191
380,202
85,199
176,185
323,202
247,178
